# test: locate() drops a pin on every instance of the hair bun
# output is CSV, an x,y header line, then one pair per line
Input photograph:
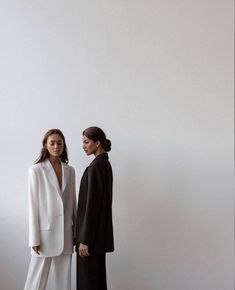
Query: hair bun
x,y
107,146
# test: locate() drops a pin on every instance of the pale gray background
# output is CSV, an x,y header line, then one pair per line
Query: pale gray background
x,y
158,77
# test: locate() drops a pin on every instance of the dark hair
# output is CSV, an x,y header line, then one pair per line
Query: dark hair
x,y
97,134
44,152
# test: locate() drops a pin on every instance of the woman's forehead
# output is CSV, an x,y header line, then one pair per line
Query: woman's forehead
x,y
54,137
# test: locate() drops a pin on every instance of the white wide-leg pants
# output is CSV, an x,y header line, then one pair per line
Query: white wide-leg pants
x,y
39,270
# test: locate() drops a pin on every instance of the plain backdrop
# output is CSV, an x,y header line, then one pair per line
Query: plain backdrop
x,y
157,76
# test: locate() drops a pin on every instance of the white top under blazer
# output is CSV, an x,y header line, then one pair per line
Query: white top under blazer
x,y
52,210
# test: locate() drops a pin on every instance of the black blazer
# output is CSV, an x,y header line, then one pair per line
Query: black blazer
x,y
94,224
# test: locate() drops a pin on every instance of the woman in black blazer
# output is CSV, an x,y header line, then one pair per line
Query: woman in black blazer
x,y
94,224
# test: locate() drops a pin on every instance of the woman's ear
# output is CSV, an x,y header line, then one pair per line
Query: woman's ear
x,y
97,144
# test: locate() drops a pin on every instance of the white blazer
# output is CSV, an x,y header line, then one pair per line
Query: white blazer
x,y
52,210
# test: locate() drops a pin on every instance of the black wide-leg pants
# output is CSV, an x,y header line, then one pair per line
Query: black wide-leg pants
x,y
91,272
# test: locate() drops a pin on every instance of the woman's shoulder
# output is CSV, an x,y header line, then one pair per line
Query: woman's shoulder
x,y
39,166
100,160
35,167
96,163
68,167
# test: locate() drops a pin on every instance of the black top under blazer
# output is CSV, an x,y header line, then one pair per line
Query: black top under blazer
x,y
94,224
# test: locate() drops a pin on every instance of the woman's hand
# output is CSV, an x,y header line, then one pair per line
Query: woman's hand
x,y
83,250
36,249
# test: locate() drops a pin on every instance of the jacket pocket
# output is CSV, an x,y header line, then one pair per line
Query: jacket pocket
x,y
45,226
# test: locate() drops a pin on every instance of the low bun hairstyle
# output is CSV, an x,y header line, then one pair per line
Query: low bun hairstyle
x,y
97,134
108,145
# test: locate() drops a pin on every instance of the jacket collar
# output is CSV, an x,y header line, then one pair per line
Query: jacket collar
x,y
47,166
103,156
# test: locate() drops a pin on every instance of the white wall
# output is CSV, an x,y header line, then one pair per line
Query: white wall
x,y
158,77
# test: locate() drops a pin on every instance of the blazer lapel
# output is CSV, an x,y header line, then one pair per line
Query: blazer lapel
x,y
65,176
51,175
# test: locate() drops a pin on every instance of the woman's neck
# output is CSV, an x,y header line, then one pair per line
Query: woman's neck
x,y
55,161
99,151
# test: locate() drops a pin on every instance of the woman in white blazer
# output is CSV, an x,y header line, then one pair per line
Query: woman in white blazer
x,y
52,210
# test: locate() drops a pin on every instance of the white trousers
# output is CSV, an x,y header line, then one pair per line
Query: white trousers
x,y
39,270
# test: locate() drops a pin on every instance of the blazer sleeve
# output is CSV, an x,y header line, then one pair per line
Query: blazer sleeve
x,y
33,191
93,206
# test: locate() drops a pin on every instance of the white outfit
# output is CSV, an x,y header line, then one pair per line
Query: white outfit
x,y
52,213
39,270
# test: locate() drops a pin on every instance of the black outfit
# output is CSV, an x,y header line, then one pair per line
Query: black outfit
x,y
94,223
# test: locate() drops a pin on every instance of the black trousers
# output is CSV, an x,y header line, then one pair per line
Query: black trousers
x,y
91,272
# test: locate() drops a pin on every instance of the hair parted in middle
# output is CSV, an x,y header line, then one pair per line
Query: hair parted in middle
x,y
44,152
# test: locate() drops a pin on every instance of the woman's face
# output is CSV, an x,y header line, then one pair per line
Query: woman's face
x,y
90,146
55,145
